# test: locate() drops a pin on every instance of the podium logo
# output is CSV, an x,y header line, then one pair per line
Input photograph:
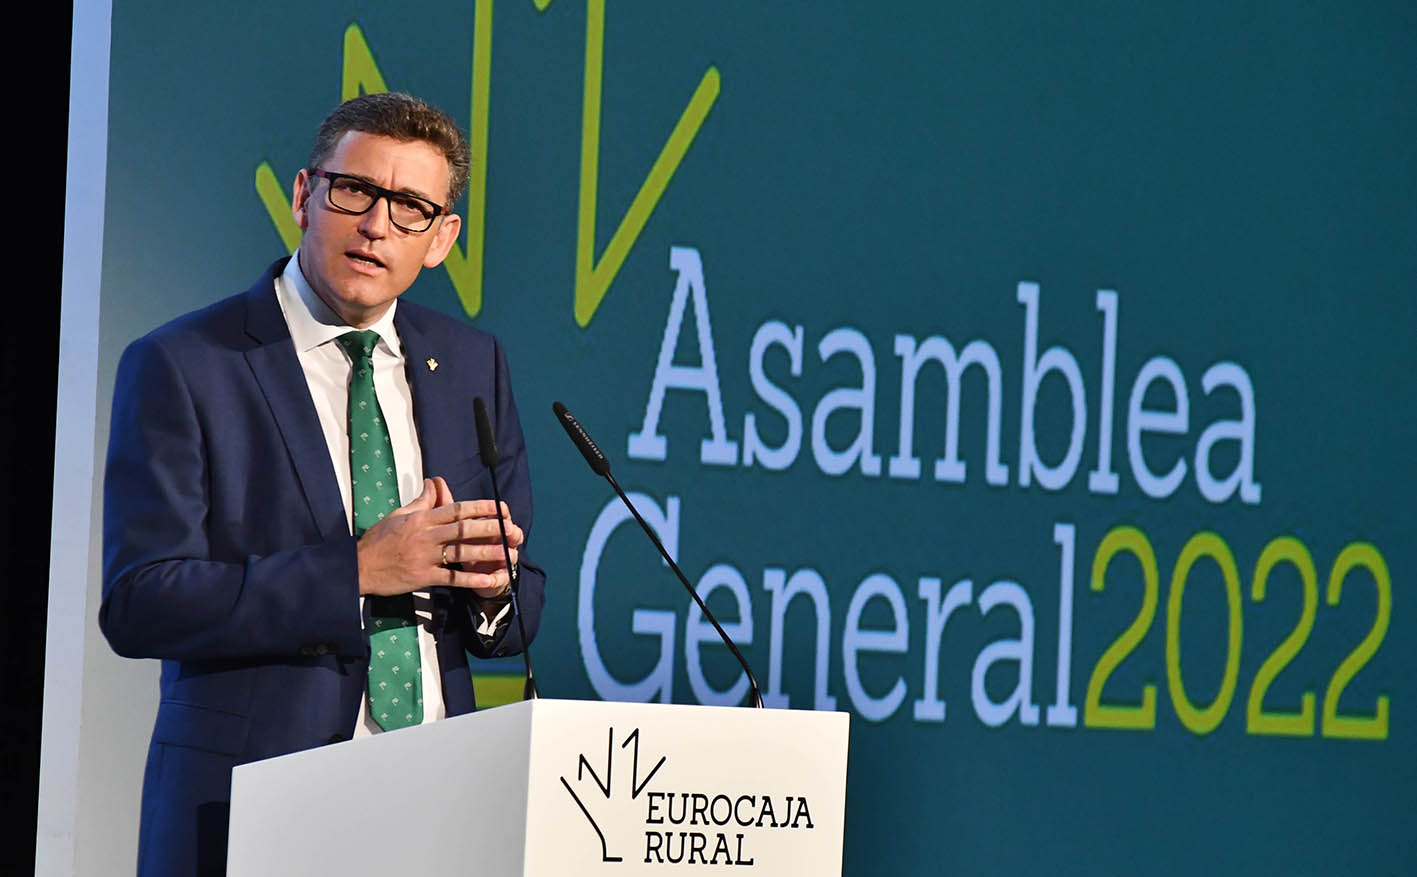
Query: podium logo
x,y
677,828
616,810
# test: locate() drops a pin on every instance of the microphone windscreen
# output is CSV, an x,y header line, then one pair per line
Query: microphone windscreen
x,y
486,443
599,463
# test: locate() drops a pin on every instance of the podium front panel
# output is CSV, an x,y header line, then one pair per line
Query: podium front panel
x,y
650,788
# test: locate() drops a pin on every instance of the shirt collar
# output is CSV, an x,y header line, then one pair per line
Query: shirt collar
x,y
312,322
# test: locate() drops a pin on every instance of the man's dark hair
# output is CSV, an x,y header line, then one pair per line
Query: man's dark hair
x,y
402,117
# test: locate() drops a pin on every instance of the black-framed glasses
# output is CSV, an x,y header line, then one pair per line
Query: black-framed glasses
x,y
353,195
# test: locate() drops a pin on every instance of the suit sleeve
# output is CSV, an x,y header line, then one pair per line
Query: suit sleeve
x,y
164,594
514,480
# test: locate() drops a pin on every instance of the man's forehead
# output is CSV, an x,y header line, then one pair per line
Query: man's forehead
x,y
413,165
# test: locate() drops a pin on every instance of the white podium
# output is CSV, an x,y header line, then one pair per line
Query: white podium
x,y
554,787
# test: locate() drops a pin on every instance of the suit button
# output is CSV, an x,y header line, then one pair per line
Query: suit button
x,y
336,738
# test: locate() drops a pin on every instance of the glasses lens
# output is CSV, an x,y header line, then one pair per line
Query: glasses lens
x,y
413,214
351,195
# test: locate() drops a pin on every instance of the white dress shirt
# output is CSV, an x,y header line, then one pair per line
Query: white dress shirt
x,y
314,328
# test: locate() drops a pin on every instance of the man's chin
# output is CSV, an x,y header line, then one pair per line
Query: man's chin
x,y
359,304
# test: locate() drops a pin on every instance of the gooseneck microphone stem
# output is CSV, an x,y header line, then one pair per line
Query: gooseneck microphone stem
x,y
600,465
529,690
487,449
755,697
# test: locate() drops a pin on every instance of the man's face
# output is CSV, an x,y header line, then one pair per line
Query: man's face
x,y
359,264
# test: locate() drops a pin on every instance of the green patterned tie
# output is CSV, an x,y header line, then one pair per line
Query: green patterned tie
x,y
395,686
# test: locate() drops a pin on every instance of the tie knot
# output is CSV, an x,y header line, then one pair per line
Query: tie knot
x,y
359,345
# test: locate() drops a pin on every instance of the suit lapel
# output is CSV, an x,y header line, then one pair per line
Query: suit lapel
x,y
277,370
432,391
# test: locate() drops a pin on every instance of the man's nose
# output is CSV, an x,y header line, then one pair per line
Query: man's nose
x,y
374,223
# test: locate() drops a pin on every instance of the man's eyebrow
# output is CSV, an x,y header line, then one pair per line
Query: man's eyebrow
x,y
414,192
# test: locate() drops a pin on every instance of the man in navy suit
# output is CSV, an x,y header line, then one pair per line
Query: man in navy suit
x,y
229,522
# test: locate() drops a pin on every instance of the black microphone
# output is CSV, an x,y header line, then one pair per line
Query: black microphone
x,y
600,465
487,450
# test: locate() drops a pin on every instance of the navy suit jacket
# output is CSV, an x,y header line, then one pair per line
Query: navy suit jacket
x,y
228,555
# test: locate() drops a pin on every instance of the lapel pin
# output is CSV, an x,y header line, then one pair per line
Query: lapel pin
x,y
432,364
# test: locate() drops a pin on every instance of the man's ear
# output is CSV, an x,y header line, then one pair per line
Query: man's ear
x,y
443,237
300,198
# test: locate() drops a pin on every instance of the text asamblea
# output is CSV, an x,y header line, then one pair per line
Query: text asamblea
x,y
914,355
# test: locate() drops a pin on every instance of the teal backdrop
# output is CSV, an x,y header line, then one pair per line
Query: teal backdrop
x,y
1150,614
